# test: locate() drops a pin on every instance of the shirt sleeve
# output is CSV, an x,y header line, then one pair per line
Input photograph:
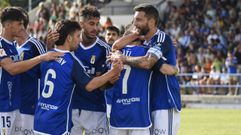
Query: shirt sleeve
x,y
80,77
38,47
160,48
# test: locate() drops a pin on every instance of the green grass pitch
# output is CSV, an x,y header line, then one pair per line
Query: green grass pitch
x,y
210,122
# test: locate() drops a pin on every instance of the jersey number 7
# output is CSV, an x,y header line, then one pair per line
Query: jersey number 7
x,y
125,79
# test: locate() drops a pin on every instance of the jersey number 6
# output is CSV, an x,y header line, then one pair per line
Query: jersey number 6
x,y
48,93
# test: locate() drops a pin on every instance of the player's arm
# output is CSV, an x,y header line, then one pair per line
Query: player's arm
x,y
165,68
123,41
14,68
90,84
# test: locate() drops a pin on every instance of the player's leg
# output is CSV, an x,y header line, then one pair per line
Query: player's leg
x,y
7,122
165,122
77,129
94,123
139,132
115,131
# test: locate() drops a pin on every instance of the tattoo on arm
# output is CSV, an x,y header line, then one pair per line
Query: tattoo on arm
x,y
146,62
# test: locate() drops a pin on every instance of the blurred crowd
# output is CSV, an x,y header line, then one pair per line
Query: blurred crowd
x,y
206,34
208,40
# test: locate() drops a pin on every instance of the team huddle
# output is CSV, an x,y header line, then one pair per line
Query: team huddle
x,y
83,85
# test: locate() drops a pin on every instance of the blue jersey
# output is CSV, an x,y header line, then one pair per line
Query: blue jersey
x,y
58,79
165,89
94,61
9,86
130,101
29,80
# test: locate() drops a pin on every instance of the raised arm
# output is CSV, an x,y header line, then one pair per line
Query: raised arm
x,y
123,41
14,68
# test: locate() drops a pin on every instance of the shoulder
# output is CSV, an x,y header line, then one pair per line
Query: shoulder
x,y
161,38
37,44
102,44
76,60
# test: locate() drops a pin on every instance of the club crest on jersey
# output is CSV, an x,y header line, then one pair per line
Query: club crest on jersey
x,y
2,53
22,56
92,60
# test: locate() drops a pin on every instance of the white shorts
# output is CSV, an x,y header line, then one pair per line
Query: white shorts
x,y
115,131
165,122
24,125
90,122
7,122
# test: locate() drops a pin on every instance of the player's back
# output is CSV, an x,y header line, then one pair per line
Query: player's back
x,y
9,85
130,101
94,61
53,111
29,79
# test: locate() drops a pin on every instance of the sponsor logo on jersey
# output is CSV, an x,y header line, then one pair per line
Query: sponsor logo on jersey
x,y
92,60
45,106
15,58
128,101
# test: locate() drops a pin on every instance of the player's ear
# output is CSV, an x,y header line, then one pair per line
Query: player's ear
x,y
69,37
152,21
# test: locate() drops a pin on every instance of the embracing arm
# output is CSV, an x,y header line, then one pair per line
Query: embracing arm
x,y
14,68
145,62
123,41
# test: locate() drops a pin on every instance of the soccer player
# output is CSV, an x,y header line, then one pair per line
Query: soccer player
x,y
165,92
112,34
12,20
28,47
58,79
129,97
136,120
89,107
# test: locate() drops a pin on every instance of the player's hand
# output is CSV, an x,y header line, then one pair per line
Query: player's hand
x,y
116,56
50,56
114,79
52,37
117,66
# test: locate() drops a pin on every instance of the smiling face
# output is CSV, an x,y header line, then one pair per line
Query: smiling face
x,y
141,22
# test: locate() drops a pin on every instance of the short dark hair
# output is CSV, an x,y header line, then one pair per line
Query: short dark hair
x,y
89,11
149,10
26,17
11,14
64,28
113,28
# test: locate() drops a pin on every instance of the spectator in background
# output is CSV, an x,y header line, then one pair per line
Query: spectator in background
x,y
112,34
231,64
43,12
107,23
237,54
214,79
